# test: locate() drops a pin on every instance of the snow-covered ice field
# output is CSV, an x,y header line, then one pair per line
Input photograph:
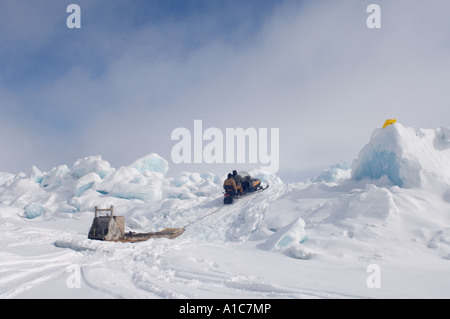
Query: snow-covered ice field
x,y
378,227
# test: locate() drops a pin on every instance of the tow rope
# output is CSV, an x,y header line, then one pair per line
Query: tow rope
x,y
199,219
218,209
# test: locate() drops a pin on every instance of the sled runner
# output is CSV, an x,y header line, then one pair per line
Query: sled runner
x,y
165,233
112,228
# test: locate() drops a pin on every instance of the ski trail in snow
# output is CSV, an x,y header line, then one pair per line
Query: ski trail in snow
x,y
158,272
32,266
19,274
153,270
134,270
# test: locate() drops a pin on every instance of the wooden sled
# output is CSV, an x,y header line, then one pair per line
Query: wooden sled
x,y
170,233
112,228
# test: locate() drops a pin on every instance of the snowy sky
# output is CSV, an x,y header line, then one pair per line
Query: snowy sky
x,y
137,70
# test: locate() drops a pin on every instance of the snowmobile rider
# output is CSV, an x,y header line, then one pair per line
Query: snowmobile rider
x,y
238,179
230,182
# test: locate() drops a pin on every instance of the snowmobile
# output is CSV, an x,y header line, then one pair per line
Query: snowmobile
x,y
249,185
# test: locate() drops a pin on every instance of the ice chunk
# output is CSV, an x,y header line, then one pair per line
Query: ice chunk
x,y
335,173
288,239
179,181
406,156
85,183
265,177
191,179
211,177
67,208
145,193
36,175
191,185
195,177
6,178
131,183
152,162
374,205
54,178
33,210
91,164
443,134
378,164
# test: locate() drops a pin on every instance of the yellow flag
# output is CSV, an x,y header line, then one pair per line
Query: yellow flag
x,y
389,122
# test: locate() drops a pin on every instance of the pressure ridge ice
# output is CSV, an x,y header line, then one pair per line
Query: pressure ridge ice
x,y
390,206
408,157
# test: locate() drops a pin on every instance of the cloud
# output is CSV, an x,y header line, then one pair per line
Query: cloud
x,y
313,70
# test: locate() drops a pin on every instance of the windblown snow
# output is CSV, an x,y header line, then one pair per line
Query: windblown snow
x,y
317,238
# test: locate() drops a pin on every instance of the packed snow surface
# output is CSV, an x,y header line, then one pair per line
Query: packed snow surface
x,y
377,227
